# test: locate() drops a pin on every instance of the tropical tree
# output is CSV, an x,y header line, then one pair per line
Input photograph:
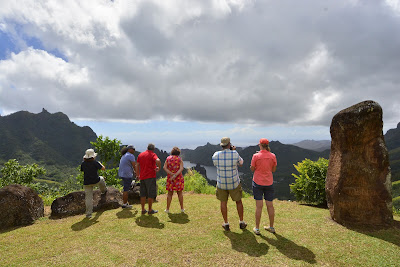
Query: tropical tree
x,y
107,150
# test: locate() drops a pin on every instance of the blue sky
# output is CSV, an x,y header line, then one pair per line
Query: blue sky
x,y
187,72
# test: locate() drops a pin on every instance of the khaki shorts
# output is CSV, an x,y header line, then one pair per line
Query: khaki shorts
x,y
236,194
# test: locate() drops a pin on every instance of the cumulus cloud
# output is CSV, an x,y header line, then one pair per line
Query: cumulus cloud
x,y
254,62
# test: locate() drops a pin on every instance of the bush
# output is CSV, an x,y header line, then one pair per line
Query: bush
x,y
13,173
194,182
396,189
309,186
396,204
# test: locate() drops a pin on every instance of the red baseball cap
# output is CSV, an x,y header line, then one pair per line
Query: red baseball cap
x,y
264,141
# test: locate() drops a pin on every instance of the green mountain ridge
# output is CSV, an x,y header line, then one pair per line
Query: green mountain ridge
x,y
46,138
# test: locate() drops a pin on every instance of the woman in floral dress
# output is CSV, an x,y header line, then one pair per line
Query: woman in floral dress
x,y
174,167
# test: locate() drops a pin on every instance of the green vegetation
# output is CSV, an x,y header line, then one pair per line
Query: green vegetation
x,y
194,182
108,151
14,173
305,237
309,186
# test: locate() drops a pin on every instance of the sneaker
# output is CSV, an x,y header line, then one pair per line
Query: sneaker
x,y
166,211
88,216
243,225
144,211
270,229
226,227
126,206
153,211
256,231
183,210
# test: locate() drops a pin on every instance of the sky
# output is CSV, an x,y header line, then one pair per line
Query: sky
x,y
187,72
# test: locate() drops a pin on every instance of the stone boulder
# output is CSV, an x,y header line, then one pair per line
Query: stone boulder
x,y
74,203
134,193
358,182
19,205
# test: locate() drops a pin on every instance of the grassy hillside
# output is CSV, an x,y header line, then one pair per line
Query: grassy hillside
x,y
305,236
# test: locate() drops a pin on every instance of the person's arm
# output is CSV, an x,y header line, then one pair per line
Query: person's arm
x,y
240,162
102,166
274,169
137,169
166,169
158,163
252,168
180,169
253,164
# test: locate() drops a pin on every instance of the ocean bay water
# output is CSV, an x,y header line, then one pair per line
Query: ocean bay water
x,y
211,171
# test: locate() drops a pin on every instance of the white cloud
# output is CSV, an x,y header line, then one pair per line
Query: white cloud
x,y
249,62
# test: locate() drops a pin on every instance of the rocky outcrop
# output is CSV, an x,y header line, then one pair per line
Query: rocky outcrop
x,y
74,203
358,184
134,193
19,205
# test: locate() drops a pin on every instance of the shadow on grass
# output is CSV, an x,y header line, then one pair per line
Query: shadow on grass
x,y
149,221
291,249
86,222
126,213
180,218
391,235
246,242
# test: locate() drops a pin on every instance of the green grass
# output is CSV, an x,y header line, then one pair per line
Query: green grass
x,y
305,236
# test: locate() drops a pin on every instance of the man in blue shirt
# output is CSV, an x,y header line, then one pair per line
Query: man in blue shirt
x,y
228,182
127,166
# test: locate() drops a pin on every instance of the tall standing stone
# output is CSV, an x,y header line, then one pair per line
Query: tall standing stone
x,y
358,183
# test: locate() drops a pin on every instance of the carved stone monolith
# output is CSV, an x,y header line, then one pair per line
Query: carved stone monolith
x,y
358,183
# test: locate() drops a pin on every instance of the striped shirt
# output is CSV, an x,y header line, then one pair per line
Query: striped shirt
x,y
226,162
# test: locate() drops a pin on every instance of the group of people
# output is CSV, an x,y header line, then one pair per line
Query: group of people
x,y
227,161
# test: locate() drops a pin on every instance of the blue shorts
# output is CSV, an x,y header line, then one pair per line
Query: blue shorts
x,y
259,191
126,183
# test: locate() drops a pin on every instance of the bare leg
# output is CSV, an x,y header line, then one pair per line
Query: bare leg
x,y
180,197
224,210
150,202
239,207
169,198
271,212
143,202
125,197
259,206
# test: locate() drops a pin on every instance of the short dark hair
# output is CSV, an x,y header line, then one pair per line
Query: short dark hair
x,y
151,146
175,151
227,146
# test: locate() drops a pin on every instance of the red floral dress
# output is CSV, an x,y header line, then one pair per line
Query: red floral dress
x,y
173,165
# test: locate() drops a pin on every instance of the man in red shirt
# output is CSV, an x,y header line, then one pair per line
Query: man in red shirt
x,y
263,164
148,164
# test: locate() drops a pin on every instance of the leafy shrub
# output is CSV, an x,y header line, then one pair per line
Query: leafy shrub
x,y
396,204
396,189
309,185
194,182
14,173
